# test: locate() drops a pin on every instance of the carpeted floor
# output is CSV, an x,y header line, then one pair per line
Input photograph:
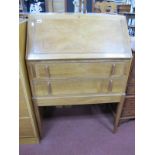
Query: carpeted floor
x,y
82,130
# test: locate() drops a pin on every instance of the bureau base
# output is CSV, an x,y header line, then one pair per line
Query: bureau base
x,y
83,100
76,100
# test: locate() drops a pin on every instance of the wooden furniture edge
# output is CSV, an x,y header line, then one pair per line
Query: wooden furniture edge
x,y
29,140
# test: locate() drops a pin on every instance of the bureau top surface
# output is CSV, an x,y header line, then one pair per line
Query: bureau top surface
x,y
77,36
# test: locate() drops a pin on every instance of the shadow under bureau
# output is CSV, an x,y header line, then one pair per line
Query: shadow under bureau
x,y
76,59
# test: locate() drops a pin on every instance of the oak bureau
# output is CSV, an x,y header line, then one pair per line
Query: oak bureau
x,y
76,59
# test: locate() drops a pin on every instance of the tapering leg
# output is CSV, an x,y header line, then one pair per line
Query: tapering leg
x,y
118,113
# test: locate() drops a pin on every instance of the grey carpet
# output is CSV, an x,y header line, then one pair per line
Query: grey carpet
x,y
82,130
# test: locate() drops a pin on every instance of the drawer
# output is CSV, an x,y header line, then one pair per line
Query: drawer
x,y
41,88
25,128
82,86
61,87
80,69
130,89
117,85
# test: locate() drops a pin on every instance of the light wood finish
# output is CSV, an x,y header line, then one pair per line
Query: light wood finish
x,y
29,140
28,126
40,88
73,38
23,110
118,113
79,69
85,86
73,60
131,80
78,86
77,100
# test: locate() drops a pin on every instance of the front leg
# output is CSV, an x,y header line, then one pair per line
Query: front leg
x,y
118,113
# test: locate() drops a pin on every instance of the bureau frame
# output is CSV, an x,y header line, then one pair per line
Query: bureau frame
x,y
66,68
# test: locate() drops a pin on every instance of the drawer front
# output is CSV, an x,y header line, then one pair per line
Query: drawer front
x,y
25,128
117,85
79,69
41,88
77,87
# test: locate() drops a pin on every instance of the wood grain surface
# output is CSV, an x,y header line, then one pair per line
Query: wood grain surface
x,y
73,36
